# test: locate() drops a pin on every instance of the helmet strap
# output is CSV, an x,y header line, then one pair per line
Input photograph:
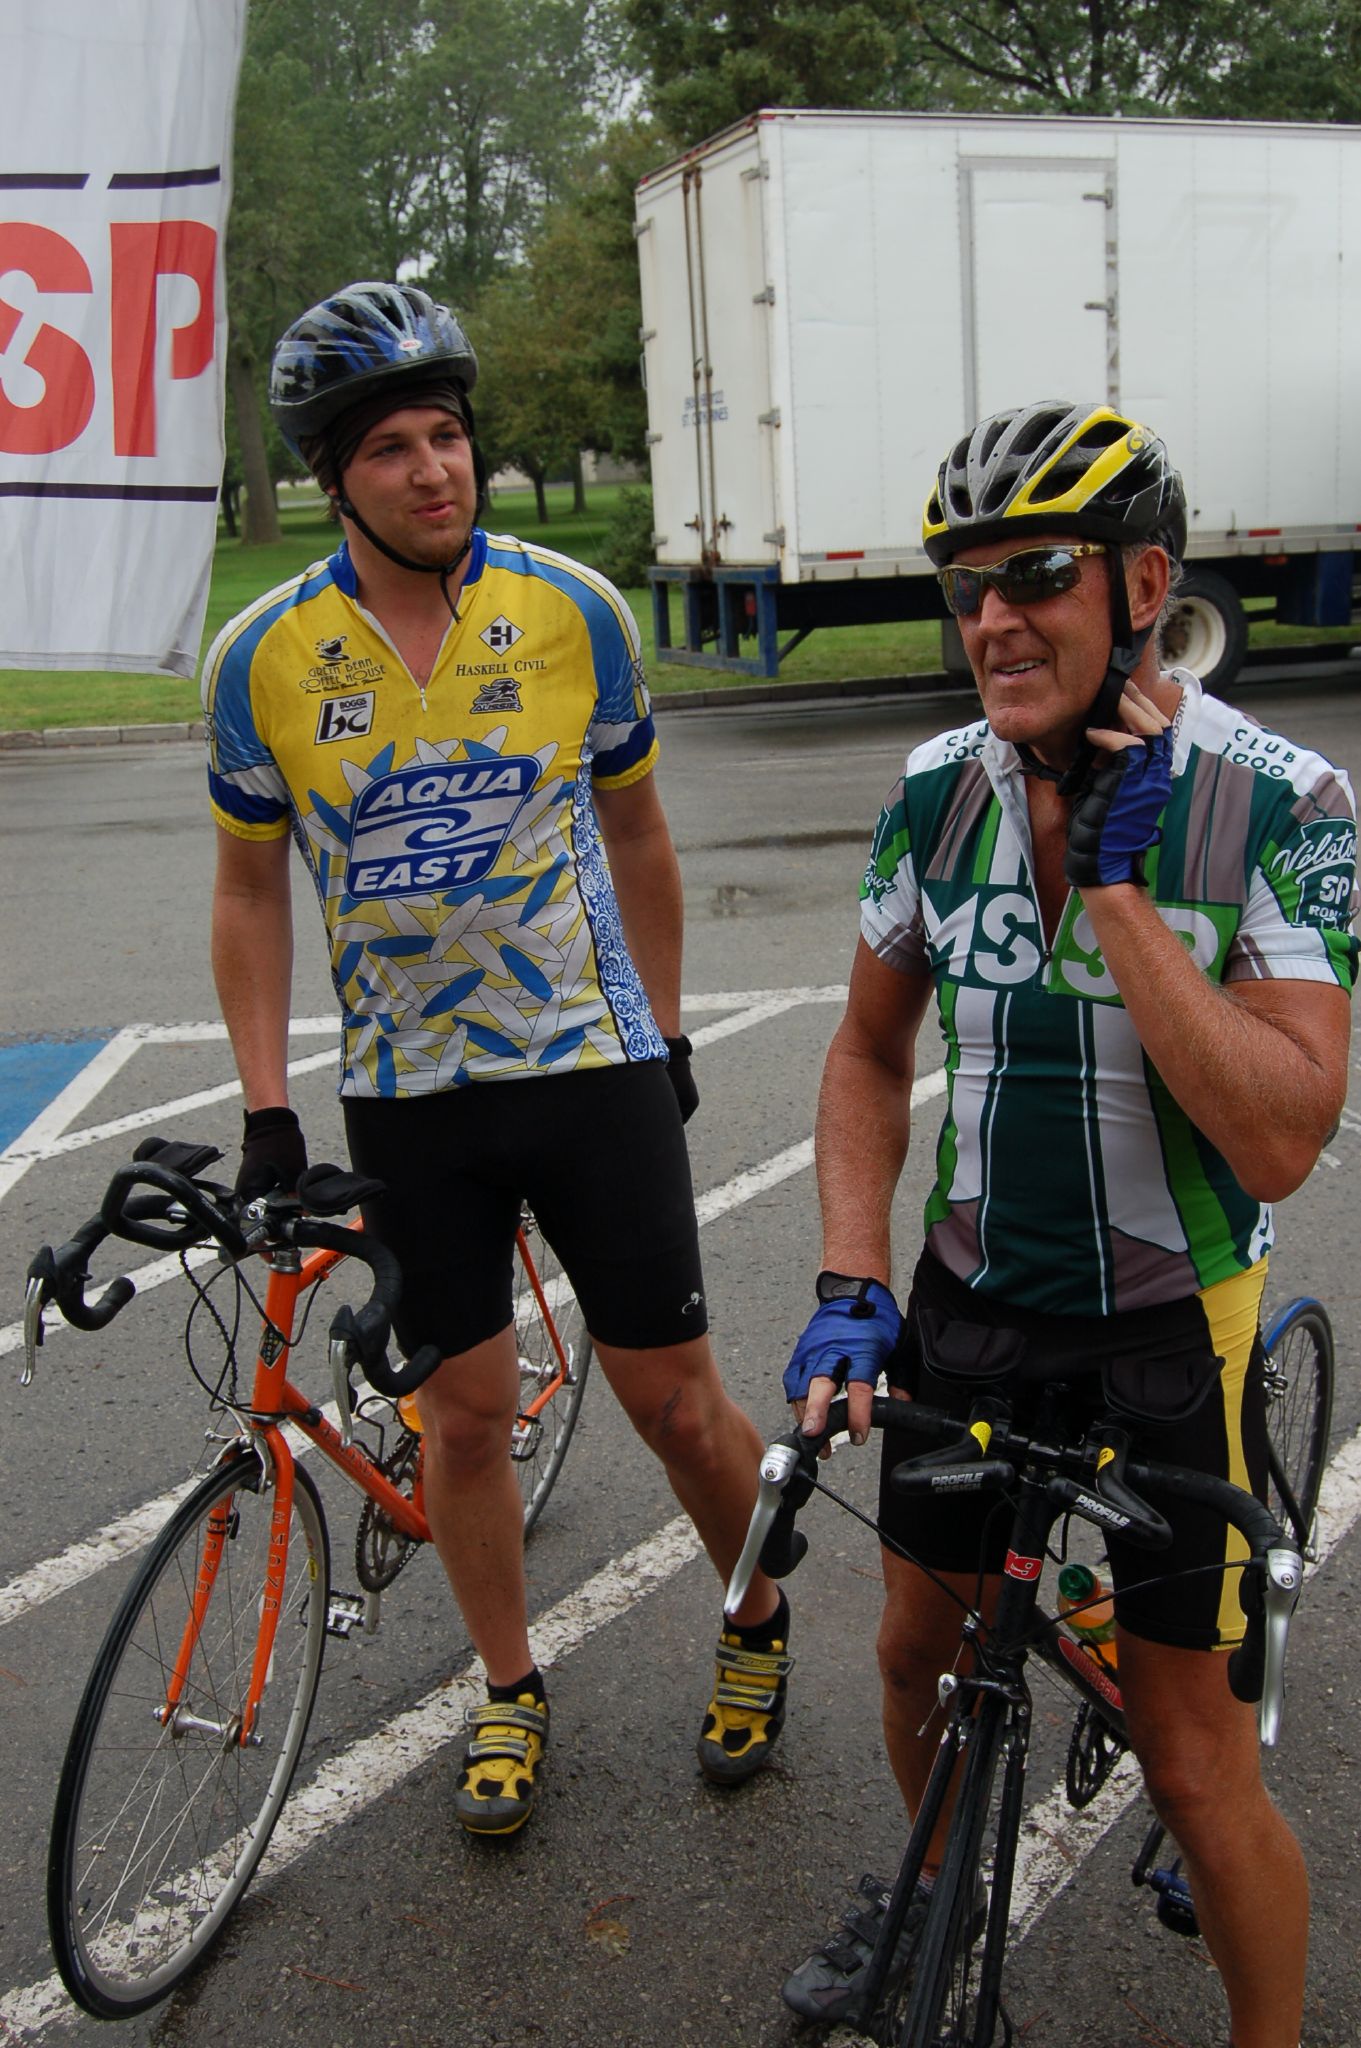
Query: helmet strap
x,y
1127,650
444,570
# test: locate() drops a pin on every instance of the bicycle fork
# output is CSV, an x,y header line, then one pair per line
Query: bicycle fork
x,y
238,1729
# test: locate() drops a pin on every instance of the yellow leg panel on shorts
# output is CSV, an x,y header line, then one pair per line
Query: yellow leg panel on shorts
x,y
1233,1310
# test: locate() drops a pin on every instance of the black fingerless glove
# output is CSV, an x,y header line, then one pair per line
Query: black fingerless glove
x,y
678,1051
273,1153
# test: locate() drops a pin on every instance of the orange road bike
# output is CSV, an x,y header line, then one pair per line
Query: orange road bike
x,y
198,1701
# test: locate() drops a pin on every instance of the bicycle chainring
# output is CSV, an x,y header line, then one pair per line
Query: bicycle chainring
x,y
380,1550
1093,1753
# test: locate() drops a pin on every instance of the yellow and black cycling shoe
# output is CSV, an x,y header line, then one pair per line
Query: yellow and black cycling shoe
x,y
745,1715
498,1783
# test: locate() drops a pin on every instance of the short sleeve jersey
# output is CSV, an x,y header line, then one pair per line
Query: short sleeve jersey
x,y
450,832
1067,1178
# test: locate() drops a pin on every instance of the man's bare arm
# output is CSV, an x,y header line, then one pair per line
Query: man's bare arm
x,y
252,950
1260,1067
864,1111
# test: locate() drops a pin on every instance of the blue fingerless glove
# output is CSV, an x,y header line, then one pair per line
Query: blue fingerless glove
x,y
1115,815
852,1335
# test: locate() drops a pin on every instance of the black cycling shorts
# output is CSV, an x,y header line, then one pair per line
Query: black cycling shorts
x,y
1184,1377
599,1156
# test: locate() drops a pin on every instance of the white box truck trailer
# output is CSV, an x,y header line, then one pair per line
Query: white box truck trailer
x,y
830,299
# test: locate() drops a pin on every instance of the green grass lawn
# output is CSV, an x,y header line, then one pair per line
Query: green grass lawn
x,y
34,698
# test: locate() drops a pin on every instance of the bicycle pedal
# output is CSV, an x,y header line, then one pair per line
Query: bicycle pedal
x,y
344,1614
524,1438
1174,1907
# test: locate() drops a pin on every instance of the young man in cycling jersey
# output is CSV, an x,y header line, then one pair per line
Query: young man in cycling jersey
x,y
454,729
1136,923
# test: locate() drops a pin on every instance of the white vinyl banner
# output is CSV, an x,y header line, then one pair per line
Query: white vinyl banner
x,y
115,140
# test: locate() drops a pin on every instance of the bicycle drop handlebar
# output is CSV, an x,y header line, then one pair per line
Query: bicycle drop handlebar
x,y
154,1201
1095,1480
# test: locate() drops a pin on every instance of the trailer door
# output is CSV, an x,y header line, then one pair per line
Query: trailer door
x,y
727,413
1040,315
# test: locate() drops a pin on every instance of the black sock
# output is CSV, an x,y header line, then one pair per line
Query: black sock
x,y
532,1682
762,1634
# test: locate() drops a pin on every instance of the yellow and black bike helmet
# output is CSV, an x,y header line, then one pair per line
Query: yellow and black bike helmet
x,y
1056,468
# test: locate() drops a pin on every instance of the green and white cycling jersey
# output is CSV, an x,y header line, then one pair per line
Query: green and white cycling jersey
x,y
1067,1178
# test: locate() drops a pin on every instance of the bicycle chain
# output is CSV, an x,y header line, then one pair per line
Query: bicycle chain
x,y
391,1550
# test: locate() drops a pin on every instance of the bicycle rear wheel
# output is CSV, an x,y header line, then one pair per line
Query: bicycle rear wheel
x,y
161,1819
555,1356
1299,1409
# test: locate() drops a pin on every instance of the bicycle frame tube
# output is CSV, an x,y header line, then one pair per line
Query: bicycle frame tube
x,y
276,1575
545,1394
218,1523
354,1464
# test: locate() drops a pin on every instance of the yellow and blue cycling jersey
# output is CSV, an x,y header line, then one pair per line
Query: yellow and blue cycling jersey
x,y
450,831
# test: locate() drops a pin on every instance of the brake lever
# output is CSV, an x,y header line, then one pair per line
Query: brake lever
x,y
33,1329
780,1463
340,1387
1281,1583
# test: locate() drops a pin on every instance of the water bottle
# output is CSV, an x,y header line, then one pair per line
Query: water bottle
x,y
1095,1624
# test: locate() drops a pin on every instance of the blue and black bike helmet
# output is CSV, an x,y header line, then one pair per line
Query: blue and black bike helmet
x,y
362,345
1054,467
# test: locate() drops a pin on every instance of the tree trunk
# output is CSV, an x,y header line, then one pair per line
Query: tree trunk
x,y
261,522
537,473
578,483
229,498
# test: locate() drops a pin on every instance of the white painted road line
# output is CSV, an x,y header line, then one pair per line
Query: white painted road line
x,y
80,1090
48,1137
371,1767
54,1575
160,1112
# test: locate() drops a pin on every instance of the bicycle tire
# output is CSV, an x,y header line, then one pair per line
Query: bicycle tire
x,y
177,1817
1299,1410
939,1989
541,1441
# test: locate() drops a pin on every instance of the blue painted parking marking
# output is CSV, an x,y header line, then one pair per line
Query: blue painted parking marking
x,y
33,1073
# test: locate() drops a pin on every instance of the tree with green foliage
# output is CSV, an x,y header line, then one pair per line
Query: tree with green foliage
x,y
393,138
709,64
1277,59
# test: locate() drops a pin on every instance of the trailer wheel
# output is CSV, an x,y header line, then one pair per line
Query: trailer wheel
x,y
1208,631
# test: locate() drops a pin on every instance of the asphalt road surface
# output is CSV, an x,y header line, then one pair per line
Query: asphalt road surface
x,y
641,1907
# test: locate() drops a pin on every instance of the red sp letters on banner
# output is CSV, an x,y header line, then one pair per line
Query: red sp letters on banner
x,y
141,253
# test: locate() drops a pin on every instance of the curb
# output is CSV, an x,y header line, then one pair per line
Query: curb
x,y
1264,666
931,683
101,735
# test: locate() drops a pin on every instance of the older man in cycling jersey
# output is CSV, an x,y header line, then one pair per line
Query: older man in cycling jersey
x,y
454,729
1138,938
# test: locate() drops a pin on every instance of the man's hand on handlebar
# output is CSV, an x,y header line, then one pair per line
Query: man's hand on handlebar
x,y
849,1341
273,1153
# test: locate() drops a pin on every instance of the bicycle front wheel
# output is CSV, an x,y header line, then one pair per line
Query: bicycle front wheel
x,y
555,1356
1299,1411
945,2008
162,1813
